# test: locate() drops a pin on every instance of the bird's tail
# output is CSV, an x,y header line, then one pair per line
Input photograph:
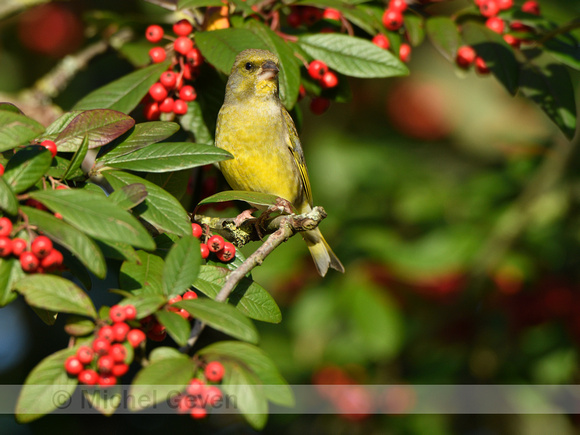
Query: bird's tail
x,y
321,252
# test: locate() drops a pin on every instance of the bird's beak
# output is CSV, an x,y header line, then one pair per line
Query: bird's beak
x,y
269,71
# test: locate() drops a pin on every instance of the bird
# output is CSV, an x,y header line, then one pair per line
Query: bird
x,y
254,126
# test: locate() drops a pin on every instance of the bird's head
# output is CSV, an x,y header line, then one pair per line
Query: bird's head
x,y
254,75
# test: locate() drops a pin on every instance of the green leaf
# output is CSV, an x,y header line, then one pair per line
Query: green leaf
x,y
170,156
8,201
164,352
145,277
248,297
96,216
497,54
220,47
289,76
277,389
142,135
159,379
46,388
17,129
10,272
352,56
254,198
181,266
550,87
60,165
444,36
175,183
10,108
357,16
415,31
56,294
160,209
47,316
117,250
566,49
145,304
136,52
77,159
222,317
26,167
186,4
71,238
54,129
105,400
100,125
194,122
177,327
125,93
129,196
79,326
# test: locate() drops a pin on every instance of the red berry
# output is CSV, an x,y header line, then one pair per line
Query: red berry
x,y
382,41
189,72
179,107
182,28
215,243
158,92
120,331
119,370
392,20
29,261
105,363
135,337
88,377
18,246
227,253
154,33
531,7
194,57
107,380
187,93
196,387
73,366
317,69
36,204
319,105
505,4
58,215
188,295
214,371
174,299
512,40
151,111
204,250
196,230
117,313
101,345
130,312
166,106
398,5
331,14
489,8
496,24
183,44
212,395
41,246
157,332
465,56
118,353
183,313
157,54
1,169
5,246
294,19
480,66
168,79
310,15
53,260
85,354
301,92
405,52
329,80
107,333
5,226
198,412
50,146
184,403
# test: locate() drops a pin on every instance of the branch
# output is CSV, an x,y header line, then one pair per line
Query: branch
x,y
286,227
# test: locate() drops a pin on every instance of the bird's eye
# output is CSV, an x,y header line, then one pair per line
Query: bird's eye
x,y
249,66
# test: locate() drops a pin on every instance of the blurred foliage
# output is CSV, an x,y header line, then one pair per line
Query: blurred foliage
x,y
454,208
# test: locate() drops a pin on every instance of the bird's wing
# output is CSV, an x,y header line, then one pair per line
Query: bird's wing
x,y
296,150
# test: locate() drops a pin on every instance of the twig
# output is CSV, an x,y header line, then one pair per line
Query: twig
x,y
288,225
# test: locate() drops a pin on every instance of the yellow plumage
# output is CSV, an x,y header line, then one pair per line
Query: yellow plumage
x,y
257,130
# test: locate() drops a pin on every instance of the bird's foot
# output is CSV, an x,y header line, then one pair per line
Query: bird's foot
x,y
244,216
281,206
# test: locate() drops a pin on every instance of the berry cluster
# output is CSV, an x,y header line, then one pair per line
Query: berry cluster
x,y
40,257
105,359
466,55
170,94
156,331
224,251
393,21
199,395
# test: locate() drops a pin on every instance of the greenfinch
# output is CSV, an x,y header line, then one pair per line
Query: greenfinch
x,y
258,131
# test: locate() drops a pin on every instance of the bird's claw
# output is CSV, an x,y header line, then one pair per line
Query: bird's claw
x,y
244,216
